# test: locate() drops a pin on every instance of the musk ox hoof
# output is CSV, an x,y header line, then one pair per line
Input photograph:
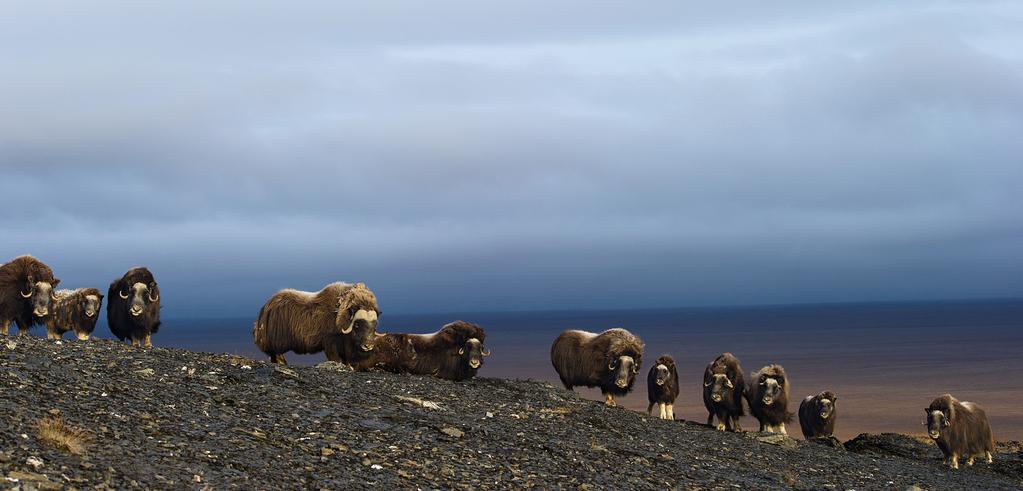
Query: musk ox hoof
x,y
721,427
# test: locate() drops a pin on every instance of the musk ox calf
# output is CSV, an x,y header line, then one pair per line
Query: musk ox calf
x,y
817,415
133,307
341,316
609,360
662,387
391,352
768,398
723,386
960,429
26,293
74,310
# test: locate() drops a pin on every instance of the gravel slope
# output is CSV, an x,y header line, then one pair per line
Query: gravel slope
x,y
166,418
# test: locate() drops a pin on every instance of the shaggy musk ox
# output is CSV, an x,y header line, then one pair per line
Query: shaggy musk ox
x,y
960,429
723,387
768,398
26,292
455,352
391,352
133,307
817,415
74,310
341,319
662,387
609,360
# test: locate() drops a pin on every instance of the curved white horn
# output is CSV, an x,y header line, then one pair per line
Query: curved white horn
x,y
122,294
26,295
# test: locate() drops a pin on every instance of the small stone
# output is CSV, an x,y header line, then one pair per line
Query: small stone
x,y
452,432
146,372
55,412
376,467
326,452
35,462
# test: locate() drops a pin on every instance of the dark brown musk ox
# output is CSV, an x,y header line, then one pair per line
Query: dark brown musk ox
x,y
392,352
74,310
961,429
723,386
26,293
609,360
662,387
768,398
455,352
133,307
817,415
342,316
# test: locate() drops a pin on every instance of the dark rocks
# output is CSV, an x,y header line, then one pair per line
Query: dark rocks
x,y
171,419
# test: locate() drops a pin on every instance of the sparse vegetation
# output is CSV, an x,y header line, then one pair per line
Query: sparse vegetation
x,y
54,431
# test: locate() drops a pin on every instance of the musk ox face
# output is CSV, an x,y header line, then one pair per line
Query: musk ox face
x,y
622,371
363,327
472,353
720,387
357,315
661,374
770,389
827,408
40,294
142,295
937,421
90,309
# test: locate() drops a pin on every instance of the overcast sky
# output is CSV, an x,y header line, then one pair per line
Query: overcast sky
x,y
461,156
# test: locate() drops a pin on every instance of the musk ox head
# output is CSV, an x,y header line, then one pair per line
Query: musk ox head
x,y
472,353
826,404
357,314
940,414
718,385
622,369
40,294
770,385
89,307
663,369
139,292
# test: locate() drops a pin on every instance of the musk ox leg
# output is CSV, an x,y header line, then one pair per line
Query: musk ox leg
x,y
671,412
989,459
5,327
736,427
969,461
650,409
134,342
149,341
663,413
953,460
710,419
278,358
609,399
781,429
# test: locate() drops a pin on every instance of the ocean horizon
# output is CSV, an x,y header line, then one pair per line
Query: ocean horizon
x,y
885,360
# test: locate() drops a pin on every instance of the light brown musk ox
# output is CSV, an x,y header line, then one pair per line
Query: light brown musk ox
x,y
961,429
609,360
341,315
74,310
26,293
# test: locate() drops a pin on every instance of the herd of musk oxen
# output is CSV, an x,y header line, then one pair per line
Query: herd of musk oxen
x,y
341,321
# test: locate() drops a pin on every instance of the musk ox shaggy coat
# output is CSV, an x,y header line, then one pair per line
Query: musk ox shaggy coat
x,y
768,398
133,307
723,386
662,387
340,319
817,415
26,293
455,352
609,360
74,310
961,429
392,352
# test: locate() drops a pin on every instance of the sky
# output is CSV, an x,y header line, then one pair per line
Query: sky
x,y
503,156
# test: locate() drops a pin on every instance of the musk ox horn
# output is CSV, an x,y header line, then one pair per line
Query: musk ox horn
x,y
152,298
461,351
123,294
26,295
729,383
485,352
708,384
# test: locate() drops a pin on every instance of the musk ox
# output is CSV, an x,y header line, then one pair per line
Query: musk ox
x,y
391,352
341,317
768,398
817,415
26,293
74,310
133,307
609,360
662,387
455,352
723,387
960,429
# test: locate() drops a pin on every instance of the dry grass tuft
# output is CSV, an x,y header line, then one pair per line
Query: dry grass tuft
x,y
56,432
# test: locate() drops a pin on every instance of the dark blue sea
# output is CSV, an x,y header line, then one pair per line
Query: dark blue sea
x,y
886,361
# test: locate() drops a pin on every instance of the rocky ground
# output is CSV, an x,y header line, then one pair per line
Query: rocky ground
x,y
165,418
